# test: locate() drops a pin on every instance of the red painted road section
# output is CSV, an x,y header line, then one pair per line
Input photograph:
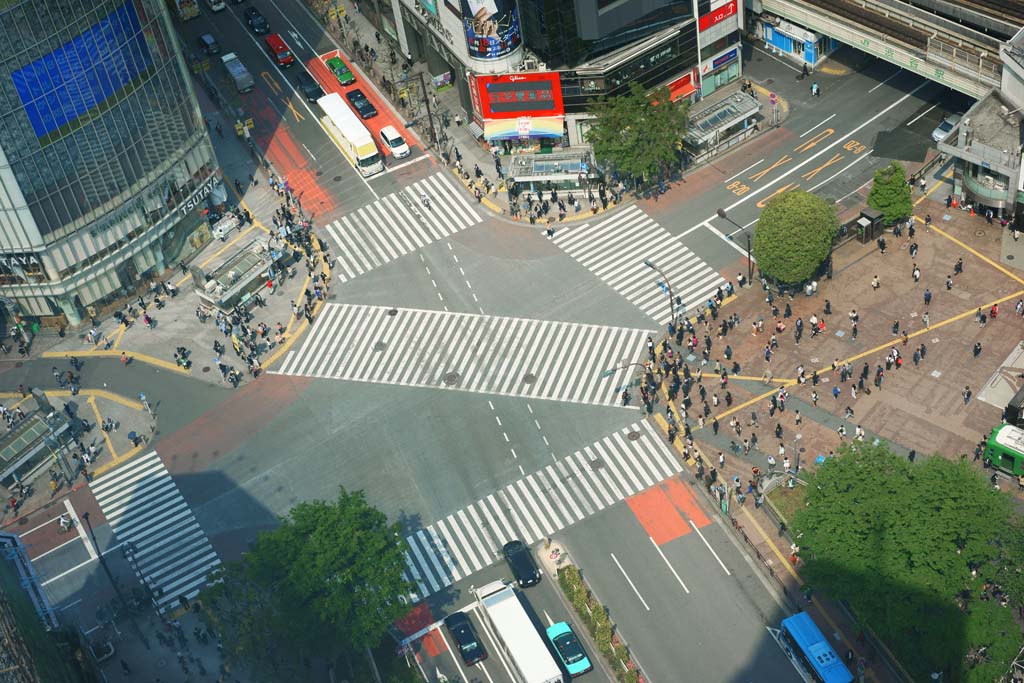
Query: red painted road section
x,y
288,157
385,115
432,644
40,530
666,510
251,408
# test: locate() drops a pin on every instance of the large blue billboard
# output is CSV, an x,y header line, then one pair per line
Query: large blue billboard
x,y
84,72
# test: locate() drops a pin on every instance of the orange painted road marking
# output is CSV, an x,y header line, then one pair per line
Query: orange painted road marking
x,y
433,644
681,496
656,514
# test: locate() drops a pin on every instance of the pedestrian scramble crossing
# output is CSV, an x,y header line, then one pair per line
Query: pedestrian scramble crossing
x,y
468,352
532,508
398,224
615,249
143,506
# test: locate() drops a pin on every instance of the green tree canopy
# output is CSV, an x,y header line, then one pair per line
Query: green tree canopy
x,y
637,132
324,583
890,193
899,541
794,236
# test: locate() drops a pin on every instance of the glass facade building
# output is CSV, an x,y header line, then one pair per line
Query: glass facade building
x,y
102,145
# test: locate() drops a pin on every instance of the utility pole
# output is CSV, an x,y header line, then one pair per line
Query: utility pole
x,y
430,116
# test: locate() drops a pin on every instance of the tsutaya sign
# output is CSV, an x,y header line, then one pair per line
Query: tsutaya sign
x,y
434,23
196,199
12,264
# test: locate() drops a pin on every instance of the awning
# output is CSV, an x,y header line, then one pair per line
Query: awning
x,y
685,90
475,130
523,127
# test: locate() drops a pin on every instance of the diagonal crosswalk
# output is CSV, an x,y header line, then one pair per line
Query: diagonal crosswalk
x,y
468,352
615,249
398,224
143,506
540,504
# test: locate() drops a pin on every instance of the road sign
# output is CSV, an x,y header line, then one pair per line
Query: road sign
x,y
250,124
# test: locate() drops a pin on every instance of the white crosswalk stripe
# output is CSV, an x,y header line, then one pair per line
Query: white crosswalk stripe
x,y
143,507
615,249
468,352
541,504
398,224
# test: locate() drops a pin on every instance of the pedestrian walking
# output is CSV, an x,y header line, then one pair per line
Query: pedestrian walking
x,y
949,283
925,319
927,297
814,399
875,284
124,359
977,349
881,245
967,394
916,274
958,267
835,393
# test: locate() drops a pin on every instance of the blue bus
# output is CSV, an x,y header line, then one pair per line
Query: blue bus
x,y
810,651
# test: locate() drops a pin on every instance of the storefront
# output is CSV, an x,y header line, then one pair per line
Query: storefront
x,y
720,70
796,42
519,113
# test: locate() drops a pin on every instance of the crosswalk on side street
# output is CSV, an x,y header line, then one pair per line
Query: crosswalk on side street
x,y
468,352
144,508
553,498
615,251
398,224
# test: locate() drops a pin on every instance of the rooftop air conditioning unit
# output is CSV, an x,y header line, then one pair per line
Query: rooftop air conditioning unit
x,y
210,286
529,65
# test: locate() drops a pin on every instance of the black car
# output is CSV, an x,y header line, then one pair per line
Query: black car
x,y
363,106
470,647
520,561
256,21
308,86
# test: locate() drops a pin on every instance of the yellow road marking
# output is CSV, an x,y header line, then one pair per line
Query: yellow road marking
x,y
981,256
99,421
107,466
290,337
62,393
120,333
112,353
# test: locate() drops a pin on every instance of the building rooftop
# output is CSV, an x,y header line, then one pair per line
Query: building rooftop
x,y
995,124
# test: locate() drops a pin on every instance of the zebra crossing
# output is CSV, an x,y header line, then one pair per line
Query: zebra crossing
x,y
539,359
551,499
143,506
615,249
398,224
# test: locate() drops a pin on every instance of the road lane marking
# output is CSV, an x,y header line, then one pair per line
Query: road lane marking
x,y
808,131
630,581
916,118
81,531
733,177
841,171
886,81
721,564
669,565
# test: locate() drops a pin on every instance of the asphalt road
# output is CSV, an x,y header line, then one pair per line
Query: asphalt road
x,y
462,469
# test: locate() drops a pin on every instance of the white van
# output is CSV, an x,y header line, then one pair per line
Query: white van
x,y
216,5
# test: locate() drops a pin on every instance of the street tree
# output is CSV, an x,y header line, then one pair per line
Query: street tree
x,y
324,583
638,132
918,551
794,236
890,193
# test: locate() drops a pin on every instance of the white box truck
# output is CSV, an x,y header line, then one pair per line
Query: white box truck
x,y
239,74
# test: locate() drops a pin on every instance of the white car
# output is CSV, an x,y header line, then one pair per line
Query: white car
x,y
944,128
393,142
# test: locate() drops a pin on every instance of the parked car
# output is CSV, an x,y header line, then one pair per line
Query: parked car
x,y
257,22
340,70
390,138
569,650
308,86
470,647
363,106
943,130
520,561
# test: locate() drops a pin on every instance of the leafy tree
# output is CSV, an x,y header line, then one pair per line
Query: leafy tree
x,y
323,583
890,193
794,236
637,132
912,547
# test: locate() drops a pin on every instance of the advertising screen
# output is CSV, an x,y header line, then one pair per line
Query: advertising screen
x,y
492,27
515,95
84,72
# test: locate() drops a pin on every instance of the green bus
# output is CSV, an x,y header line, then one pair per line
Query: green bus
x,y
1005,448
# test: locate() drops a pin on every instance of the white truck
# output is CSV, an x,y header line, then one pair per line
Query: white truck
x,y
184,9
239,74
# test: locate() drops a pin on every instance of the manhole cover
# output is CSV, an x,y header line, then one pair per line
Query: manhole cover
x,y
206,368
452,378
633,436
380,346
979,233
392,312
596,464
529,378
1009,257
319,173
18,364
337,178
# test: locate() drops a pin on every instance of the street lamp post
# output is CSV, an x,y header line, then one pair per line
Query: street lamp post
x,y
671,299
750,262
113,582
